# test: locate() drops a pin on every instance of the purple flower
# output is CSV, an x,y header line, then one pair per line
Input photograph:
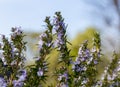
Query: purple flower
x,y
21,79
3,82
3,37
17,31
64,76
45,40
23,75
40,72
83,57
14,62
58,24
40,44
17,83
95,62
60,29
42,36
93,50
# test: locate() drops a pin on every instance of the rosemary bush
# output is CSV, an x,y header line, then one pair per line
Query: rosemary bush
x,y
74,70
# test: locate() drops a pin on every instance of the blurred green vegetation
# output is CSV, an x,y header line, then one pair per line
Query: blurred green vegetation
x,y
88,34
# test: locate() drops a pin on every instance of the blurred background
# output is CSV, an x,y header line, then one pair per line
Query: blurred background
x,y
82,16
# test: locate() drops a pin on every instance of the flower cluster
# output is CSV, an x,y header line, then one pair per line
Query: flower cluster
x,y
63,77
2,82
60,28
84,67
64,56
81,72
39,70
12,58
112,73
21,78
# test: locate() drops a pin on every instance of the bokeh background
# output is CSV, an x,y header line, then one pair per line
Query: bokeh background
x,y
82,16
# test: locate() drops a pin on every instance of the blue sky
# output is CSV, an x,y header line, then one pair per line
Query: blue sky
x,y
30,14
